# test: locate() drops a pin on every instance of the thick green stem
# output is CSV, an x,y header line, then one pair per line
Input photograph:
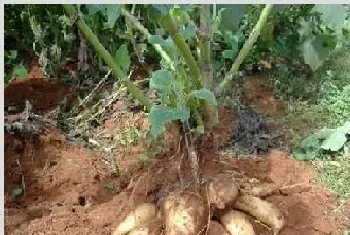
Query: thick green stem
x,y
246,47
181,45
106,56
210,112
145,31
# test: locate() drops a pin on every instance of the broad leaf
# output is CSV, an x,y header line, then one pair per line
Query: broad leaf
x,y
313,51
161,115
333,15
161,80
305,28
334,142
122,58
231,15
20,71
189,31
345,129
303,156
94,8
227,54
157,39
113,12
203,94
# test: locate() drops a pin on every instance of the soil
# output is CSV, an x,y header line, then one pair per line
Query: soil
x,y
67,186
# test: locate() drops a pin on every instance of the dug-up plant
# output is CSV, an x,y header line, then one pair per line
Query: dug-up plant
x,y
184,85
325,141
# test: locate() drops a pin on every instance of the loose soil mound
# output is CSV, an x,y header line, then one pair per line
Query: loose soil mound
x,y
66,185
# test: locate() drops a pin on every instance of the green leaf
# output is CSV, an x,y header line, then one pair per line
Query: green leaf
x,y
20,71
94,8
313,51
305,28
12,55
328,40
227,54
17,192
303,156
203,94
333,15
156,39
161,80
110,187
345,129
122,57
163,8
189,31
161,115
334,142
200,129
113,12
231,15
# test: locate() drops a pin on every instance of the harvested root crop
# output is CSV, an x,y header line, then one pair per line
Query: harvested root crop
x,y
142,214
184,213
215,228
236,223
263,211
222,191
150,228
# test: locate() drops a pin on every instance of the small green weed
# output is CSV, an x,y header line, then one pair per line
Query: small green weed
x,y
130,136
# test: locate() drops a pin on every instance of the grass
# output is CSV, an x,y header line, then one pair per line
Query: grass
x,y
335,174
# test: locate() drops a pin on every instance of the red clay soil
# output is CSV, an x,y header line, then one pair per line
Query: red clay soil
x,y
43,94
257,93
66,191
66,194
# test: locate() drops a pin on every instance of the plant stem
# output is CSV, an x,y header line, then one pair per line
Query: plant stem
x,y
106,56
246,47
131,37
145,31
181,45
210,111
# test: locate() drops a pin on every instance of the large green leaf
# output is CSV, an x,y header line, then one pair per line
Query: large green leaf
x,y
122,57
227,54
113,12
345,129
231,15
94,8
161,115
333,15
334,142
161,80
313,51
203,94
